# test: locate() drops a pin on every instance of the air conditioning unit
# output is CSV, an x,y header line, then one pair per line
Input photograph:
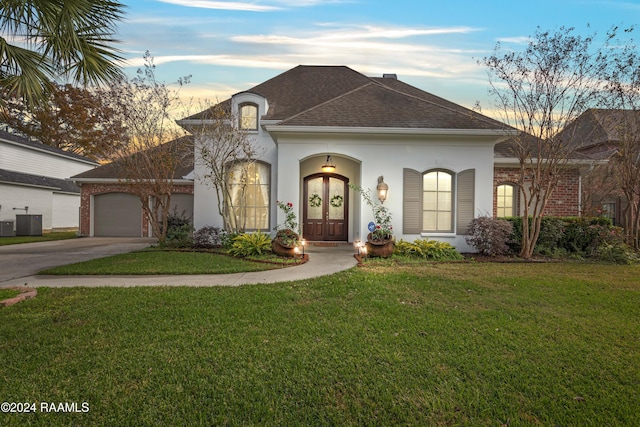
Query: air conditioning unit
x,y
28,225
6,228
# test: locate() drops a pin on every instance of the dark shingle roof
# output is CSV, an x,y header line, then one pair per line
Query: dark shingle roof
x,y
182,147
598,130
55,184
339,96
40,146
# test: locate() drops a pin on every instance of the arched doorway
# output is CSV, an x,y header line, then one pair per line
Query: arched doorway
x,y
326,207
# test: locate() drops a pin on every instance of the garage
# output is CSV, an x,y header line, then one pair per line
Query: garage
x,y
117,215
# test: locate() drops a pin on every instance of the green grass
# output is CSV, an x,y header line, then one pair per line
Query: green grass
x,y
154,261
44,238
8,293
432,344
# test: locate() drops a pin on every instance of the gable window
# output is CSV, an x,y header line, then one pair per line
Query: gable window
x,y
506,196
248,117
248,202
438,201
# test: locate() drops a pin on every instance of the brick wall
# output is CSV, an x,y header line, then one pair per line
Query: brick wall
x,y
88,190
565,200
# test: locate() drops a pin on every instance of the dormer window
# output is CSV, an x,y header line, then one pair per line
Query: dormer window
x,y
249,117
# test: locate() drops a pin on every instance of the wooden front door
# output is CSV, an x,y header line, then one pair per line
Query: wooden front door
x,y
325,212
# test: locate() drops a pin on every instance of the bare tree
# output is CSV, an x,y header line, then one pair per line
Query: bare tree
x,y
157,148
539,91
623,90
223,149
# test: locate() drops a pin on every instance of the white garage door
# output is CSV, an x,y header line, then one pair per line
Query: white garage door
x,y
117,215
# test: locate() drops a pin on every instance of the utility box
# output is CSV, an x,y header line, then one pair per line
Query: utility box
x,y
6,228
28,225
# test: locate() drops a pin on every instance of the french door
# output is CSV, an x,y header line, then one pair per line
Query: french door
x,y
326,213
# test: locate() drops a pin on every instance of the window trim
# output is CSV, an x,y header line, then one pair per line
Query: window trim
x,y
463,207
453,192
229,167
241,117
515,208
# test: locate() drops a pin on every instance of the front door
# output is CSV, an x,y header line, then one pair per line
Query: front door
x,y
325,212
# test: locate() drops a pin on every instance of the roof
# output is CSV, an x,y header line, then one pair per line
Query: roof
x,y
37,145
598,131
55,184
309,95
182,147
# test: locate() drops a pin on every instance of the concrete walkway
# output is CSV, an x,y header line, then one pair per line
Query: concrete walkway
x,y
322,261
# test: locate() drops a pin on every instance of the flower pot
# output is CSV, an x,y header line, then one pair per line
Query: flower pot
x,y
282,250
379,248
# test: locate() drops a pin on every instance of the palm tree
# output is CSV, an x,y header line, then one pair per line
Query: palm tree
x,y
43,40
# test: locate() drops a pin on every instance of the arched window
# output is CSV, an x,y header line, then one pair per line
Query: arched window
x,y
437,201
248,202
248,117
506,200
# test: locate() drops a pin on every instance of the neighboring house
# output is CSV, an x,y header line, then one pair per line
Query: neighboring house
x,y
436,157
109,207
33,180
599,133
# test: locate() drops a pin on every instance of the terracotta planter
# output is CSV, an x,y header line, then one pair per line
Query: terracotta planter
x,y
379,248
279,249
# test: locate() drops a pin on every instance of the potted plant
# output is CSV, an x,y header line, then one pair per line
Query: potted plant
x,y
380,241
287,237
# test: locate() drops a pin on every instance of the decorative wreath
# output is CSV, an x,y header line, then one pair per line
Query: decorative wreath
x,y
336,201
315,200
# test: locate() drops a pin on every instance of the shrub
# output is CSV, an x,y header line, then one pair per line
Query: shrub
x,y
580,237
208,237
227,238
427,249
250,244
179,231
180,236
489,235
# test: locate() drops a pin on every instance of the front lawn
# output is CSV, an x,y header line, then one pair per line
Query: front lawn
x,y
158,261
435,344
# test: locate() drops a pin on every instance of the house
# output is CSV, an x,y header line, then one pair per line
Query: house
x,y
33,181
323,129
109,206
600,134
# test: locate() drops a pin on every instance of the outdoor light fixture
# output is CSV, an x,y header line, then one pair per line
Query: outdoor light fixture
x,y
303,243
329,166
382,188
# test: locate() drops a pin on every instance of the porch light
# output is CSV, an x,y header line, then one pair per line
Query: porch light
x,y
382,189
329,166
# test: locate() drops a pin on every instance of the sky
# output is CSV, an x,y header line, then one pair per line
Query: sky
x,y
229,46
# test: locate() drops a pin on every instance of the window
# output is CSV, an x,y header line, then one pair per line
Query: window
x,y
249,117
506,205
438,201
249,196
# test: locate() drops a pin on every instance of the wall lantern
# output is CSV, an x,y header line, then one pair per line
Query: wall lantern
x,y
382,188
329,166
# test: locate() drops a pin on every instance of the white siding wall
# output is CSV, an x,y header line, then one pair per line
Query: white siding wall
x,y
40,202
66,210
28,160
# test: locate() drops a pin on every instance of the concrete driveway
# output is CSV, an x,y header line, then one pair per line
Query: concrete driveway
x,y
27,259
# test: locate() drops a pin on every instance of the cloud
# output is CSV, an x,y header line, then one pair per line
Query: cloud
x,y
250,7
515,40
223,5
